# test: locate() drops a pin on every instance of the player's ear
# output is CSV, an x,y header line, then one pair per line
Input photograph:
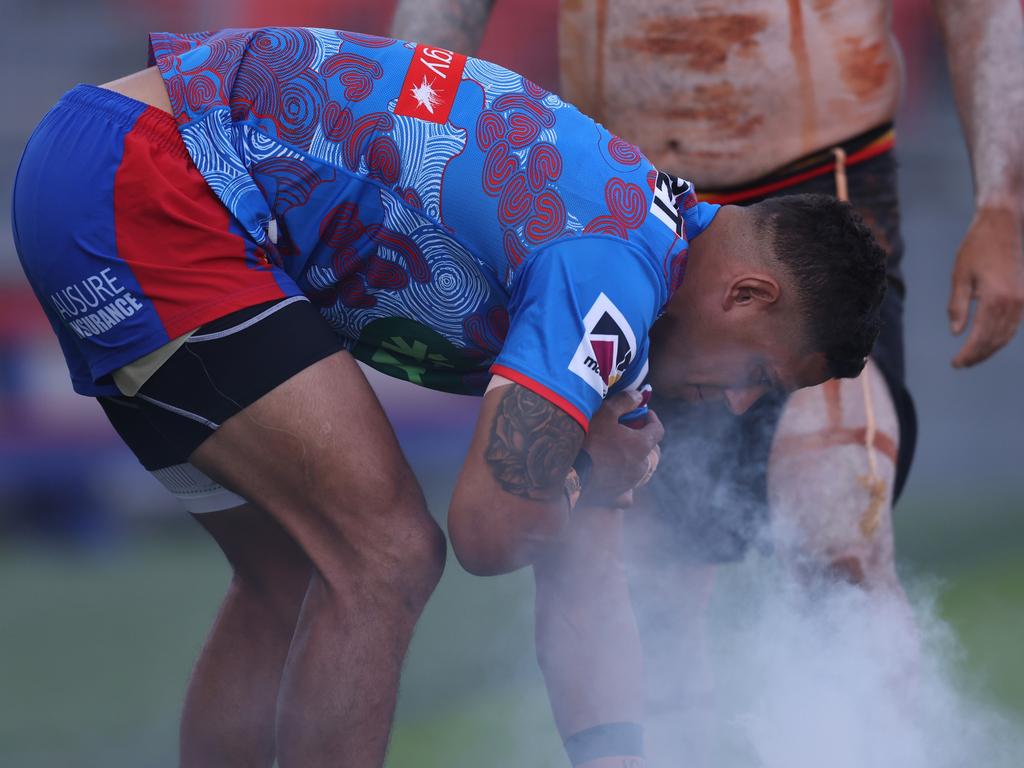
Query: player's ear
x,y
751,289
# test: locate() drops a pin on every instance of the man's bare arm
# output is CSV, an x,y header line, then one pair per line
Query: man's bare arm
x,y
509,504
532,445
509,501
457,25
985,49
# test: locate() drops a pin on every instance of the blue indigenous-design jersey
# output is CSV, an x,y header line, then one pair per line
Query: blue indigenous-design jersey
x,y
450,218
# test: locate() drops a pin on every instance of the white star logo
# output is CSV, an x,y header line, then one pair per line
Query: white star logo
x,y
425,95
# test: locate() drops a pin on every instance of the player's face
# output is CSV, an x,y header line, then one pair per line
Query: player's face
x,y
736,360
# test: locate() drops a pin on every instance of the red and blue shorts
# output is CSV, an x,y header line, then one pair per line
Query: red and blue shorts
x,y
122,239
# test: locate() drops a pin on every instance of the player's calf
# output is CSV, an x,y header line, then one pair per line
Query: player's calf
x,y
587,643
230,709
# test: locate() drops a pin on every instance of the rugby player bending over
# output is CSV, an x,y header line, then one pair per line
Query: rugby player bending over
x,y
218,238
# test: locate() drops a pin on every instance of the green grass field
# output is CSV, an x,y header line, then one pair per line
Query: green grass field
x,y
95,649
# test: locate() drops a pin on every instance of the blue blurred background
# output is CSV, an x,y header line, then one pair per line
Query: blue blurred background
x,y
107,588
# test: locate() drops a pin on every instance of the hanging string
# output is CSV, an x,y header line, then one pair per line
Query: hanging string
x,y
873,482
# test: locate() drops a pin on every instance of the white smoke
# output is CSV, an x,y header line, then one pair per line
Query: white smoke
x,y
827,676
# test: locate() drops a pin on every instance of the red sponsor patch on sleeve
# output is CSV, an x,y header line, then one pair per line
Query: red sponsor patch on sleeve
x,y
431,83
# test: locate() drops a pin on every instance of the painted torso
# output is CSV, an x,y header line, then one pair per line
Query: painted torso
x,y
729,91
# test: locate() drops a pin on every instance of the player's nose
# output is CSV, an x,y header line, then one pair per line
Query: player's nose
x,y
740,400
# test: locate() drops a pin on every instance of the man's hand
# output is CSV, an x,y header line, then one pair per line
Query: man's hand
x,y
989,270
620,453
984,41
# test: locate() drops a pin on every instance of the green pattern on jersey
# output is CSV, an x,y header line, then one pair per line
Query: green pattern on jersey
x,y
405,349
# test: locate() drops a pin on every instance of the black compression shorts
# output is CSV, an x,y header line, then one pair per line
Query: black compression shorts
x,y
224,367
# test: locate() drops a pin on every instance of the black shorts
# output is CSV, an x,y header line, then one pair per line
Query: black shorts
x,y
224,367
716,504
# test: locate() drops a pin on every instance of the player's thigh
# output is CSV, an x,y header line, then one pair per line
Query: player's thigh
x,y
261,406
831,476
318,453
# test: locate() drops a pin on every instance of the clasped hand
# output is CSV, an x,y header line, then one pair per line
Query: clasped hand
x,y
623,457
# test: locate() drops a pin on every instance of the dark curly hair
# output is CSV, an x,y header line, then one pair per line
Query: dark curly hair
x,y
839,272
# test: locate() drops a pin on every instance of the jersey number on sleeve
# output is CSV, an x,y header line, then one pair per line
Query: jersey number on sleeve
x,y
668,189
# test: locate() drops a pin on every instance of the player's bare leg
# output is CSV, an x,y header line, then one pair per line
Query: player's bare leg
x,y
830,482
318,454
587,642
230,708
672,598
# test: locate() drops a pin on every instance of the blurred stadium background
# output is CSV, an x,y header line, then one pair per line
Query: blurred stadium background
x,y
106,588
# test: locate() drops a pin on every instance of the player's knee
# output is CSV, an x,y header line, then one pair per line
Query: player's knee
x,y
274,585
402,555
425,550
276,597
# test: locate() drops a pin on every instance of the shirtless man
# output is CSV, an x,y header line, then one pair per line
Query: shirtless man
x,y
751,99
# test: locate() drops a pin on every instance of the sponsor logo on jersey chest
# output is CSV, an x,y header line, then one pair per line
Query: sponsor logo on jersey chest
x,y
431,83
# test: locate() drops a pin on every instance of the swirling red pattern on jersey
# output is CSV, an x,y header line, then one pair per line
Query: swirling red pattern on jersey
x,y
175,85
410,196
543,164
175,46
677,269
255,92
524,128
224,50
534,90
499,165
363,131
415,264
383,160
336,121
626,210
355,134
202,90
523,187
285,51
357,73
623,152
367,41
606,225
355,272
515,201
341,228
520,101
385,275
302,102
626,202
514,251
490,126
487,330
548,218
295,181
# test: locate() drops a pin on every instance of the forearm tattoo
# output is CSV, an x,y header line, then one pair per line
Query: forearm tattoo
x,y
532,445
454,24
